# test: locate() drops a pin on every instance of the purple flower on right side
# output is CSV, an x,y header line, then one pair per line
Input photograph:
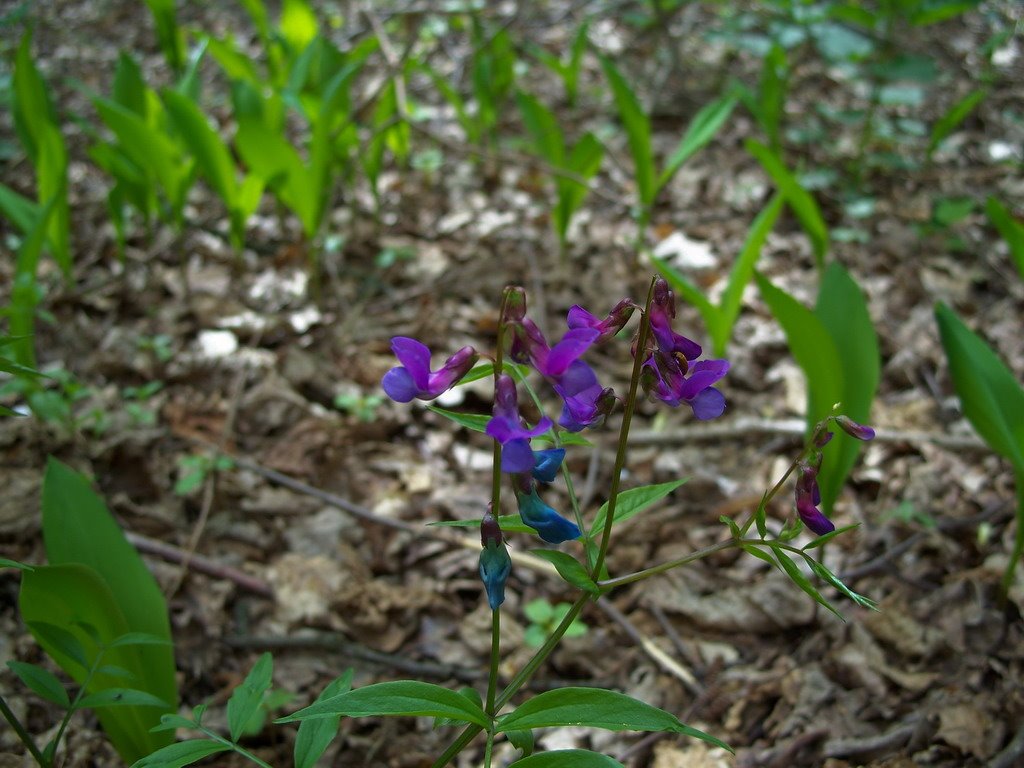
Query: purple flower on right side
x,y
808,495
669,372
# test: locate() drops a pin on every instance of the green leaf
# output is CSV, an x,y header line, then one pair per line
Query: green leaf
x,y
567,758
407,698
120,697
843,313
17,209
508,523
569,568
138,638
472,694
173,722
955,115
584,160
170,36
474,421
521,740
824,539
742,271
827,576
990,394
539,611
638,132
634,501
65,598
797,577
1011,230
246,698
798,198
596,708
77,528
42,681
543,128
181,754
702,129
7,563
212,155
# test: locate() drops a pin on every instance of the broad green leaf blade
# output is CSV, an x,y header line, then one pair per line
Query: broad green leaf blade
x,y
543,128
990,394
439,722
66,596
403,698
212,155
77,528
798,198
811,346
597,708
474,421
843,313
569,568
742,271
120,697
584,160
315,736
521,740
168,33
246,698
638,132
42,681
634,501
17,209
567,758
702,129
1011,230
181,754
268,154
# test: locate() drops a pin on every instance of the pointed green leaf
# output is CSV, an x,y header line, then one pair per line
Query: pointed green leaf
x,y
702,129
212,155
315,736
474,421
567,758
569,568
246,698
409,698
638,132
634,501
508,523
42,681
7,563
181,754
543,128
1011,230
955,115
120,697
596,708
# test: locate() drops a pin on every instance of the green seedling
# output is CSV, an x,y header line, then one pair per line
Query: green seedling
x,y
193,471
544,618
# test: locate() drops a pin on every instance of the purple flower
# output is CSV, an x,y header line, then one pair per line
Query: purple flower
x,y
586,403
578,317
665,379
663,310
529,343
414,379
495,563
808,497
551,526
853,429
506,426
546,464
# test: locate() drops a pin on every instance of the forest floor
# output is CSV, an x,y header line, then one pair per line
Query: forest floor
x,y
315,544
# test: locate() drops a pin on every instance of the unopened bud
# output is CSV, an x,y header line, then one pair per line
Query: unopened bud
x,y
855,430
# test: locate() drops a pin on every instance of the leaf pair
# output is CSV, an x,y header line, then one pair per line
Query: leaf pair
x,y
702,129
836,346
583,160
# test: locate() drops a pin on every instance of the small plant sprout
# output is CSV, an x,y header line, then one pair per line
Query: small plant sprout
x,y
667,367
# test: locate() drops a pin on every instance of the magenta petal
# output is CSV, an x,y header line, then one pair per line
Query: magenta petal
x,y
415,356
703,375
813,518
568,350
398,385
578,317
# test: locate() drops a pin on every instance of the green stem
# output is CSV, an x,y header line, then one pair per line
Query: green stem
x,y
488,748
90,673
22,734
646,573
627,418
234,747
492,677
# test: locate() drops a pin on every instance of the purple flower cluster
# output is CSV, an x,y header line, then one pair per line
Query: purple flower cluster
x,y
414,379
808,494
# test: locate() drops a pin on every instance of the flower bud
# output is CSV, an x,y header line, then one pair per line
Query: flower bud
x,y
515,304
855,430
495,563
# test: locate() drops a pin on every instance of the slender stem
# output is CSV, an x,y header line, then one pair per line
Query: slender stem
x,y
627,418
492,677
646,573
488,748
25,736
234,747
90,673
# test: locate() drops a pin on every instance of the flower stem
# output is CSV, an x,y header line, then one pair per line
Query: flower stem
x,y
654,570
492,677
25,736
627,418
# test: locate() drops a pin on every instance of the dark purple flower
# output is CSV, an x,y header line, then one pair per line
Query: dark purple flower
x,y
578,317
586,402
663,310
414,379
550,526
506,426
853,429
808,497
495,563
546,464
665,379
